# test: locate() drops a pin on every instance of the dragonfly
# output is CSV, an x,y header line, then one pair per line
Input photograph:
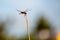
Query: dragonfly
x,y
23,12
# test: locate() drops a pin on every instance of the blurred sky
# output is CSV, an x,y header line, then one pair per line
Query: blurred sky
x,y
49,7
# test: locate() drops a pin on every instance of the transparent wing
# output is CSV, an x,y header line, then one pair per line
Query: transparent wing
x,y
18,10
19,13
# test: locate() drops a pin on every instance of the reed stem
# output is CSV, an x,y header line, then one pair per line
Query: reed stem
x,y
28,31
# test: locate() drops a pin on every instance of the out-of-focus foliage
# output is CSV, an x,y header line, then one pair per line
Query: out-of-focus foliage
x,y
2,36
41,25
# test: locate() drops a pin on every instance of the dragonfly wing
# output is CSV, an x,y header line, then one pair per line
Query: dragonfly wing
x,y
18,10
19,13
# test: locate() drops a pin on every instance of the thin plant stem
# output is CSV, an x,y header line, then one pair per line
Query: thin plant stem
x,y
28,31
